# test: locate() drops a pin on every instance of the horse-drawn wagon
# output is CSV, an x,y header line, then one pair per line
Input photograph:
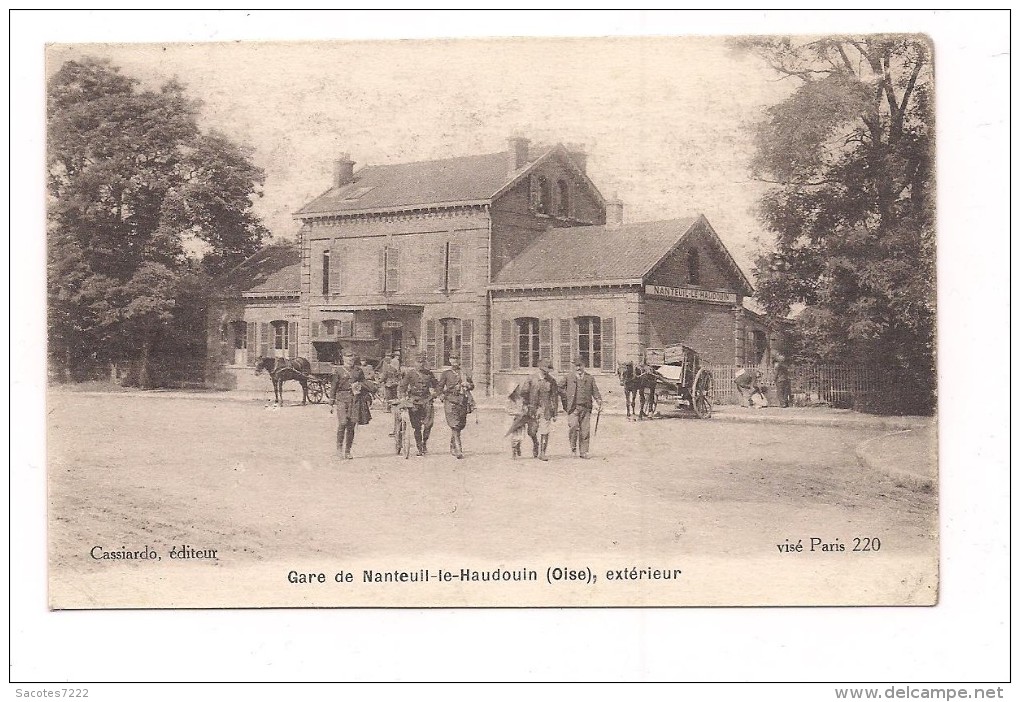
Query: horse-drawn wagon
x,y
319,379
681,379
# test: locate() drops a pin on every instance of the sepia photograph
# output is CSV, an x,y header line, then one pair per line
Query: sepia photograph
x,y
364,337
657,333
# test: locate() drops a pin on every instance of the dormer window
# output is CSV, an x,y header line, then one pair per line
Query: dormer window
x,y
358,192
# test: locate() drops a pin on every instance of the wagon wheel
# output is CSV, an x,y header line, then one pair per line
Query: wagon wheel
x,y
315,392
700,394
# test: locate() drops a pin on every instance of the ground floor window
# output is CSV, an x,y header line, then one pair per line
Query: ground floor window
x,y
527,342
589,341
446,336
278,338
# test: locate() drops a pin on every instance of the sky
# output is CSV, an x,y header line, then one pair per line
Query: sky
x,y
667,122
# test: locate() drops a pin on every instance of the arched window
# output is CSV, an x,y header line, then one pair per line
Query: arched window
x,y
541,194
693,267
589,341
527,342
564,193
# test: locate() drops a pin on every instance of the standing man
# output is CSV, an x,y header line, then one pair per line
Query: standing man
x,y
418,384
783,386
352,394
389,377
579,394
542,399
455,387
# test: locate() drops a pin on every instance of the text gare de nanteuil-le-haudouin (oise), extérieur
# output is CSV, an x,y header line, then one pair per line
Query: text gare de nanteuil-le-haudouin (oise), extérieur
x,y
554,574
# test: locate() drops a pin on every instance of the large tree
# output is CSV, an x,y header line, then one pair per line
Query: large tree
x,y
136,191
849,159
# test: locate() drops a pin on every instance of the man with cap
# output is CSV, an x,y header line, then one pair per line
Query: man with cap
x,y
418,384
352,394
579,393
388,376
540,397
455,386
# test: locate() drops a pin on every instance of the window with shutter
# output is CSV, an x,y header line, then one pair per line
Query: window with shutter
x,y
566,344
467,332
430,342
382,269
608,344
251,344
315,330
336,270
452,331
325,272
589,341
442,266
392,269
527,342
264,339
292,339
506,342
545,340
453,267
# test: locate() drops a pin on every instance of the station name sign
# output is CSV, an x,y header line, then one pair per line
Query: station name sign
x,y
691,294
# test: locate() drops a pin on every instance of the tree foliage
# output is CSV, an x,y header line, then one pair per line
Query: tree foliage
x,y
133,185
849,156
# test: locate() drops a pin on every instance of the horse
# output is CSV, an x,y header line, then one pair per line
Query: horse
x,y
283,369
638,384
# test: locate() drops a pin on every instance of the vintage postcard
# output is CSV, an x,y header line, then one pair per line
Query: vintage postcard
x,y
589,322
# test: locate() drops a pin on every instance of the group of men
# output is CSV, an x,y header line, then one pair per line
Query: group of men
x,y
536,402
418,387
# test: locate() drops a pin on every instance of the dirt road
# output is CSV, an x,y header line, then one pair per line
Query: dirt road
x,y
264,489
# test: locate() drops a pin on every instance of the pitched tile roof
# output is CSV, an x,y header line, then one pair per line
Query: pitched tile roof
x,y
274,269
445,181
600,253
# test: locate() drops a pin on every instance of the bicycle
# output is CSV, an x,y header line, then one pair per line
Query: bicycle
x,y
404,434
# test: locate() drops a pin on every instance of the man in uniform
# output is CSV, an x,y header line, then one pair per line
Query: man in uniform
x,y
418,384
579,393
455,387
352,394
389,377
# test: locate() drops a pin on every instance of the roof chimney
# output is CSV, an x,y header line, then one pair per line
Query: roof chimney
x,y
614,212
578,155
517,153
343,170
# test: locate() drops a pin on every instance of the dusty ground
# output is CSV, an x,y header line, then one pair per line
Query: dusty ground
x,y
264,489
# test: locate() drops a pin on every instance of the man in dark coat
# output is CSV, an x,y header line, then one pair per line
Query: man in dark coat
x,y
455,386
418,385
539,400
579,393
783,385
388,376
352,394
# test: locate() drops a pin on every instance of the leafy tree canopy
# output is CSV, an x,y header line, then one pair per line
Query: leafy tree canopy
x,y
133,183
850,157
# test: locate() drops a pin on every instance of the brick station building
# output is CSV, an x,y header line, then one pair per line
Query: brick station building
x,y
506,257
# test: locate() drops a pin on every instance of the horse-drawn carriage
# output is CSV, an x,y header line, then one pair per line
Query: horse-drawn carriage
x,y
319,379
313,376
683,380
